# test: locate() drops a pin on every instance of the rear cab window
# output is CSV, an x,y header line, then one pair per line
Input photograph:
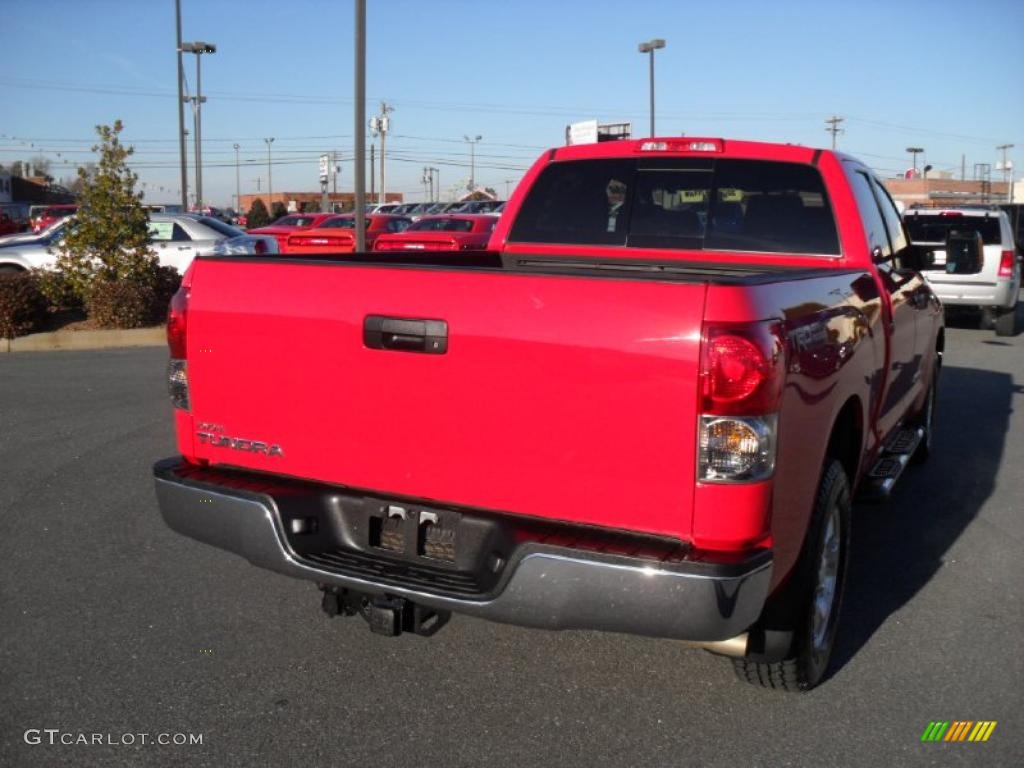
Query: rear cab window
x,y
685,203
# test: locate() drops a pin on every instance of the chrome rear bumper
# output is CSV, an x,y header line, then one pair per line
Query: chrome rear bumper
x,y
544,586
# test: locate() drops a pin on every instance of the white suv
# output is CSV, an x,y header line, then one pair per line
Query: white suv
x,y
993,285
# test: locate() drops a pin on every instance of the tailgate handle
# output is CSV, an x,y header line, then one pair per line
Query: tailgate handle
x,y
405,334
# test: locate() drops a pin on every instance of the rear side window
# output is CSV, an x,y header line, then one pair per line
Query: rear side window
x,y
702,204
935,227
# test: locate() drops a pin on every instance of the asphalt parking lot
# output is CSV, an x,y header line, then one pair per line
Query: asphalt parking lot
x,y
113,625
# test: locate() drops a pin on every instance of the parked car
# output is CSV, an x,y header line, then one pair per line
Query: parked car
x,y
477,206
50,214
177,239
648,415
47,236
8,226
381,207
990,283
457,232
16,213
289,225
337,233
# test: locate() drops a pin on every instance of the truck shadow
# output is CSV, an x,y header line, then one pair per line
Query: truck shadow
x,y
897,547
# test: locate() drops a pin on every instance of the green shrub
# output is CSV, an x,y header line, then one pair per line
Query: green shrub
x,y
258,216
22,306
120,304
167,282
58,290
277,210
110,239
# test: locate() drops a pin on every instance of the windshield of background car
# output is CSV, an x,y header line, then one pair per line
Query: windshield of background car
x,y
685,203
441,225
936,227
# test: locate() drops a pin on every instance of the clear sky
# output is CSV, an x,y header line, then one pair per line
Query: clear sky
x,y
942,75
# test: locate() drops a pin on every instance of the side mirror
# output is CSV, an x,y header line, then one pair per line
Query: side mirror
x,y
965,253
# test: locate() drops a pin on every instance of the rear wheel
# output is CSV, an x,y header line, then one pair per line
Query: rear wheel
x,y
1006,322
810,606
10,269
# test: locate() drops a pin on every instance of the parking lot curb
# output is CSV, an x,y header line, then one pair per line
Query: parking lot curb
x,y
57,340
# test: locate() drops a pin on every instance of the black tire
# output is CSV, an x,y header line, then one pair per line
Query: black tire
x,y
987,319
926,420
10,269
813,615
1006,322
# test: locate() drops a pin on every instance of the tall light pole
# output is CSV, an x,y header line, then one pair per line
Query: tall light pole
x,y
181,114
199,48
270,178
472,159
238,184
914,152
650,47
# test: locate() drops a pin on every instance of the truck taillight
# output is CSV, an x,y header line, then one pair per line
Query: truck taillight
x,y
1006,264
741,378
741,368
177,367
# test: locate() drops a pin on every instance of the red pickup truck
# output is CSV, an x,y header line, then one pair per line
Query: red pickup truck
x,y
644,409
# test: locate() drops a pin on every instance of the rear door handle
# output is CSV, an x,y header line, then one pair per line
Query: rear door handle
x,y
405,334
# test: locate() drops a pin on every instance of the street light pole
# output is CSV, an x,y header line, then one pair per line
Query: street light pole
x,y
472,159
359,158
199,48
914,152
181,114
270,178
650,47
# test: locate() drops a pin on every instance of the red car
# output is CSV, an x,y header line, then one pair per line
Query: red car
x,y
52,214
456,232
289,225
337,234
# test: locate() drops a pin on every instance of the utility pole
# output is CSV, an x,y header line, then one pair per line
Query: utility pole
x,y
373,176
650,47
507,183
379,126
435,178
1007,171
834,128
963,167
270,178
238,183
181,113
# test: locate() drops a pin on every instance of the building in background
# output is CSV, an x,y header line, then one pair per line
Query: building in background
x,y
937,191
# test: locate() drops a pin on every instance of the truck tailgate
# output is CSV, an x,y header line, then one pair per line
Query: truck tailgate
x,y
568,398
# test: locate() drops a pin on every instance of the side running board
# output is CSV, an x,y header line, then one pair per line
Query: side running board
x,y
879,482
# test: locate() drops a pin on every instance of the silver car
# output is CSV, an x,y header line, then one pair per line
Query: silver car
x,y
991,285
177,239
